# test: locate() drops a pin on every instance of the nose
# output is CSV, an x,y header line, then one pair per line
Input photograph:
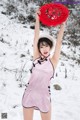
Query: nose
x,y
45,49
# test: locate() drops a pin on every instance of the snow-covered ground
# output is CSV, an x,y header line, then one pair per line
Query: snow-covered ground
x,y
15,60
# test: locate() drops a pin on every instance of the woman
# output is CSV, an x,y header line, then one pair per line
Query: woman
x,y
37,93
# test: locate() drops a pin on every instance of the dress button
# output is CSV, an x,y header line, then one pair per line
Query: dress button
x,y
39,61
33,64
49,91
41,58
46,59
30,70
48,86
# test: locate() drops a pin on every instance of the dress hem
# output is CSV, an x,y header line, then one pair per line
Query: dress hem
x,y
35,108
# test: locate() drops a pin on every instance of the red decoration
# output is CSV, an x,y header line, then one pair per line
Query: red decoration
x,y
53,14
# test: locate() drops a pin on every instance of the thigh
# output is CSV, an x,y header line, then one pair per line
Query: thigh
x,y
28,113
46,115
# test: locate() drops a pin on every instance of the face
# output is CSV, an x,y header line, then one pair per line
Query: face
x,y
44,49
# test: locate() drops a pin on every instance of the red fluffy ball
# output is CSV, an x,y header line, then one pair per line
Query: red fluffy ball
x,y
53,14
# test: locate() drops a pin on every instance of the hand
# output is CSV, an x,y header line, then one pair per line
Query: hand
x,y
64,23
38,12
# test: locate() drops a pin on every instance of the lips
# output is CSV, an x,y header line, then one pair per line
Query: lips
x,y
45,52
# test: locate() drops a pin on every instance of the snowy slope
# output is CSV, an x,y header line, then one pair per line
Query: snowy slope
x,y
16,53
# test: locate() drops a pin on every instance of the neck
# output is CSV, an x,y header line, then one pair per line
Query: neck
x,y
43,57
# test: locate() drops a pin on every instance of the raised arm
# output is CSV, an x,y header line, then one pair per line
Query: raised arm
x,y
55,57
36,53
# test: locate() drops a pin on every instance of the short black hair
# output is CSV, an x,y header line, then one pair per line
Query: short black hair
x,y
44,39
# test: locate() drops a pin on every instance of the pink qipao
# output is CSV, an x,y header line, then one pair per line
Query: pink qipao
x,y
37,94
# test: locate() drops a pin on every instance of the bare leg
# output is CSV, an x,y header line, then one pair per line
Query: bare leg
x,y
46,116
28,113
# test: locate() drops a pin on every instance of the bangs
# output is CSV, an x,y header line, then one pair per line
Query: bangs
x,y
43,43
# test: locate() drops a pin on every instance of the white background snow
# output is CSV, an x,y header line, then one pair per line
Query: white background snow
x,y
15,40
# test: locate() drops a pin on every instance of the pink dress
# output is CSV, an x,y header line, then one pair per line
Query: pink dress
x,y
37,93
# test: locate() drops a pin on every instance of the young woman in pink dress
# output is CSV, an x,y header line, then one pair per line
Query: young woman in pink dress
x,y
37,95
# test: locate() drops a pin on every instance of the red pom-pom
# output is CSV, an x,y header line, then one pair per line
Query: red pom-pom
x,y
53,14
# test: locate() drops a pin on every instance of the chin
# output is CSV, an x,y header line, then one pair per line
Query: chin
x,y
45,55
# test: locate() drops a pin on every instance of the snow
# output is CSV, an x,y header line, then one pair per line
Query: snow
x,y
18,40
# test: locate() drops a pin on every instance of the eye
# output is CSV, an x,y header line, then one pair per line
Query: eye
x,y
41,47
